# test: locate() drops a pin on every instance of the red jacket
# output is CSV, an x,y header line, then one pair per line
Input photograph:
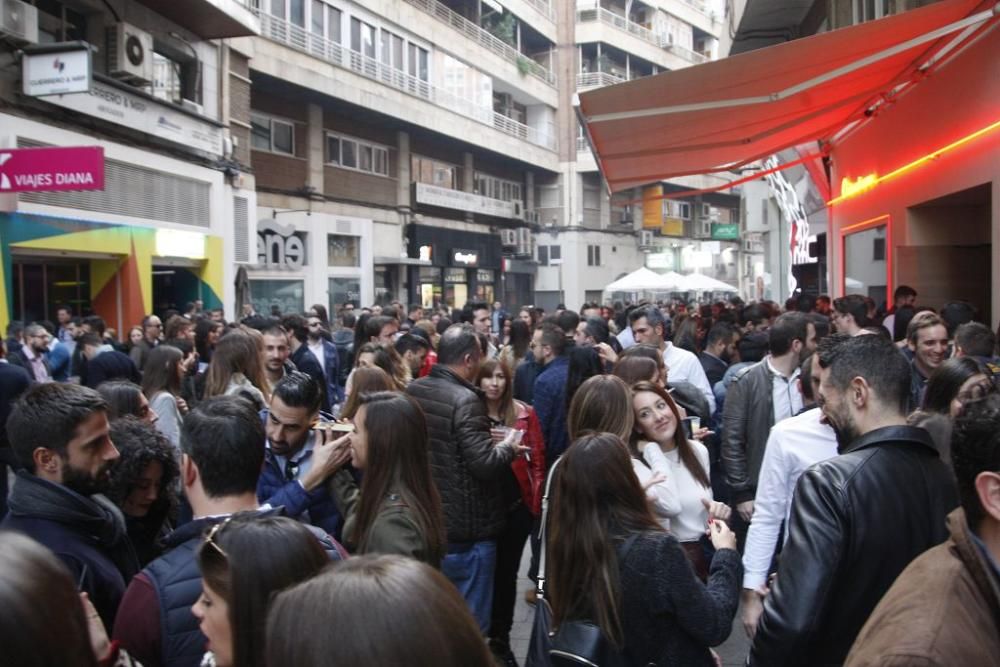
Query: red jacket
x,y
530,474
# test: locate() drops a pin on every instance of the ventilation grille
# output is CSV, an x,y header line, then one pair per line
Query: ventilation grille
x,y
134,191
241,230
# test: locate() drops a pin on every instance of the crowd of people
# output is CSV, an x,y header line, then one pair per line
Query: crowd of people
x,y
300,489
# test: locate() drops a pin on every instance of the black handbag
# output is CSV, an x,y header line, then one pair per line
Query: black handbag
x,y
574,643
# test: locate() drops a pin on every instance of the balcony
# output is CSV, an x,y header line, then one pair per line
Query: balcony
x,y
486,39
209,19
587,80
295,37
598,13
692,57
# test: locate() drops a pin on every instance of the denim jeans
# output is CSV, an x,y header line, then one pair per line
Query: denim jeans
x,y
471,567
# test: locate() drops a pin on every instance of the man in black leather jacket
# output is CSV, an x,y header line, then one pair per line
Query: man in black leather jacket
x,y
857,519
466,466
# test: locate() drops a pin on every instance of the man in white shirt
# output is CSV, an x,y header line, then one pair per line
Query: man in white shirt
x,y
682,366
793,446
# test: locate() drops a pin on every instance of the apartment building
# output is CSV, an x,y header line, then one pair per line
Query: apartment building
x,y
396,146
165,89
587,239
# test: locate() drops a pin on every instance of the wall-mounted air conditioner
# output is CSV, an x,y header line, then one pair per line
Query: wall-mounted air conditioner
x,y
18,21
130,54
508,239
705,229
525,242
645,238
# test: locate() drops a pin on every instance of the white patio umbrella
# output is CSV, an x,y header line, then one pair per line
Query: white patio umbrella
x,y
641,280
697,282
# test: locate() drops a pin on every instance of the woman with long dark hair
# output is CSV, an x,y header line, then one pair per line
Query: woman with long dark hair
x,y
516,348
660,441
954,383
206,335
244,561
125,399
521,493
611,563
142,484
374,610
161,383
236,367
397,508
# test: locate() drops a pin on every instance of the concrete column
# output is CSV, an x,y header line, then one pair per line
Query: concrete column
x,y
468,178
529,191
315,148
403,170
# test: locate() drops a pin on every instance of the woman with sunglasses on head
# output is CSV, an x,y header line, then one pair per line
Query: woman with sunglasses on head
x,y
244,561
396,509
660,441
611,563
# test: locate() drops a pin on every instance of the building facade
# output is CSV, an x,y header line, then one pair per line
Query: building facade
x,y
168,226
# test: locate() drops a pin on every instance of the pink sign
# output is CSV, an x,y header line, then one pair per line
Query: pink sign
x,y
50,169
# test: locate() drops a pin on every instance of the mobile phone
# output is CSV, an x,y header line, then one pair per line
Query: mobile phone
x,y
341,427
688,430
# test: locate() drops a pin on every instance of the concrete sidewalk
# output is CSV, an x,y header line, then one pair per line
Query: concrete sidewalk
x,y
733,652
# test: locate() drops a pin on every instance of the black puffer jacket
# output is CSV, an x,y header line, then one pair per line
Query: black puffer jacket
x,y
467,468
857,521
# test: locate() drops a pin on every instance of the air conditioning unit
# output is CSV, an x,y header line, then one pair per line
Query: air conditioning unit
x,y
705,229
508,238
667,40
130,54
19,22
645,238
525,242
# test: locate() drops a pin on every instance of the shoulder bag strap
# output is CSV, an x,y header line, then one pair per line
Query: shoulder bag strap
x,y
540,586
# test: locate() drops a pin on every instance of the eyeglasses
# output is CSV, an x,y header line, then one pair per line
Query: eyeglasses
x,y
212,532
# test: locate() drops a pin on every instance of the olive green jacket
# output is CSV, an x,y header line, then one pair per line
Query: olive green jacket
x,y
394,530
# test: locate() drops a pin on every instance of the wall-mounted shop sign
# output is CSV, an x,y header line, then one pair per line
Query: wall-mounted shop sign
x,y
56,69
460,257
279,246
726,232
432,195
51,169
145,114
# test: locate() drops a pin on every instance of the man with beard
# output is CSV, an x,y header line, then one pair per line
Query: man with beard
x,y
59,433
759,398
413,350
720,347
298,459
32,356
857,519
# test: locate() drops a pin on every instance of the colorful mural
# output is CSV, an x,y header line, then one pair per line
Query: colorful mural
x,y
132,250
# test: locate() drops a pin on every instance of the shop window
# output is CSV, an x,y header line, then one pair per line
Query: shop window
x,y
343,250
283,296
864,272
344,290
271,134
350,153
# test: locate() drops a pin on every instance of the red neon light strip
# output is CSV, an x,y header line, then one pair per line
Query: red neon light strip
x,y
919,162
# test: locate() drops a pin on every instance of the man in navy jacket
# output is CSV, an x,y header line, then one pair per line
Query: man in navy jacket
x,y
548,344
298,460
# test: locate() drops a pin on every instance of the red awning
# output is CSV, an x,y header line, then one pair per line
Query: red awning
x,y
727,113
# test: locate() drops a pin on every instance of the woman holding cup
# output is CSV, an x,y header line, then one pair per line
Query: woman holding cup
x,y
521,492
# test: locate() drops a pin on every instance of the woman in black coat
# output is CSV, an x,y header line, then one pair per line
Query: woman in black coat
x,y
611,563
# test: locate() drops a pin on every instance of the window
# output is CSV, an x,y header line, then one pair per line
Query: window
x,y
277,11
418,62
878,250
555,252
168,76
333,21
344,290
391,50
593,255
496,188
271,134
362,38
869,10
543,255
435,172
287,295
351,153
343,250
316,19
683,210
297,12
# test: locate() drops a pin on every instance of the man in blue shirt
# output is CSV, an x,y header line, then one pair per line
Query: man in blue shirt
x,y
548,344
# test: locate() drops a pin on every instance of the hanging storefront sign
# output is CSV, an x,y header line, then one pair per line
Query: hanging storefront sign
x,y
56,69
661,260
280,246
462,257
145,114
432,195
52,169
725,232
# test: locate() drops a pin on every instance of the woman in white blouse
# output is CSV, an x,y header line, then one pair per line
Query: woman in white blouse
x,y
681,467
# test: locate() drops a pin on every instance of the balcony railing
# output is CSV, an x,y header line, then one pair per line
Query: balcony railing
x,y
597,13
298,38
544,7
687,54
585,80
581,145
485,39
